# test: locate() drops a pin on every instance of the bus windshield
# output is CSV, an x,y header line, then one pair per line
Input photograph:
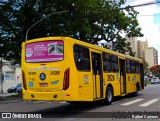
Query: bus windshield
x,y
46,51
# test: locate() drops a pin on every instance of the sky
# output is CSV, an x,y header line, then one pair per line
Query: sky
x,y
149,21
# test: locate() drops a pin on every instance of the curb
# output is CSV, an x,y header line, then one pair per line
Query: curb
x,y
7,94
11,101
9,97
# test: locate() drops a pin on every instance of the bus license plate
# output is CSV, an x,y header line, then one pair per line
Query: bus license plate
x,y
43,84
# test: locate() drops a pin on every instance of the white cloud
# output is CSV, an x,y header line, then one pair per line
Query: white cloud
x,y
150,30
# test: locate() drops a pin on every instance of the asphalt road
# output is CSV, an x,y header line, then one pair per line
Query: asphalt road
x,y
148,101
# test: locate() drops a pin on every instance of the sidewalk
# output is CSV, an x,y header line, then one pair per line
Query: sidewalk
x,y
5,94
10,98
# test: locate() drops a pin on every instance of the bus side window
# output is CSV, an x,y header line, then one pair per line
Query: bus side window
x,y
114,60
128,69
106,62
81,58
95,64
137,67
76,52
94,67
133,67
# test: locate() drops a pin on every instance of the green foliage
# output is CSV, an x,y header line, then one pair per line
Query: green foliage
x,y
155,70
92,20
145,65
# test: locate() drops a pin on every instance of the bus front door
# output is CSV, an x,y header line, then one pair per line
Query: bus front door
x,y
122,76
97,75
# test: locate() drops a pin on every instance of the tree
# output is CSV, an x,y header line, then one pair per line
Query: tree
x,y
123,47
145,65
155,70
92,21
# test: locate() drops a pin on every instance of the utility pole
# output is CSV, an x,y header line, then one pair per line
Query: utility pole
x,y
42,20
1,78
71,10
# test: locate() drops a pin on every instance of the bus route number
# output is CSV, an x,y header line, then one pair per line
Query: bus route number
x,y
54,72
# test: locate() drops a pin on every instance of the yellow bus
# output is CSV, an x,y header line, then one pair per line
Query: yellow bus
x,y
66,69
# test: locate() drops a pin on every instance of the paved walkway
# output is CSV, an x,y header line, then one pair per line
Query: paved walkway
x,y
7,94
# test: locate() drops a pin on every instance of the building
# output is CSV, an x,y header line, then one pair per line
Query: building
x,y
151,56
139,50
141,46
8,72
133,44
11,75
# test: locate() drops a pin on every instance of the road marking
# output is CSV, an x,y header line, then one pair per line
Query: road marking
x,y
131,102
149,103
41,101
63,102
48,102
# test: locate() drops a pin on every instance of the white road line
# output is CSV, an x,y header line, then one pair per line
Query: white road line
x,y
63,102
131,102
149,102
48,102
39,101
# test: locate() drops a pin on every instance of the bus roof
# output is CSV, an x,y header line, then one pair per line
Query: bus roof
x,y
85,44
107,50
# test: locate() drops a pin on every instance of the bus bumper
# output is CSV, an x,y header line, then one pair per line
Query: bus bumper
x,y
31,95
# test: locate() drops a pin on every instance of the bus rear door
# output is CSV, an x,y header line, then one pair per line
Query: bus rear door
x,y
97,75
122,76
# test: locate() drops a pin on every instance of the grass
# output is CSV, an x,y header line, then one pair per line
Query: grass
x,y
148,82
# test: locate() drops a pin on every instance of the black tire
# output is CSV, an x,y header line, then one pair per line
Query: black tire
x,y
74,102
136,92
109,96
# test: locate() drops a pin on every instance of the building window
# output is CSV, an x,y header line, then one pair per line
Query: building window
x,y
7,77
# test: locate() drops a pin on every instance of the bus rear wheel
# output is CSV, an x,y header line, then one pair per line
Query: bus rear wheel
x,y
109,96
74,102
136,92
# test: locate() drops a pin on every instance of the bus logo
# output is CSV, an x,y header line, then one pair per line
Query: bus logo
x,y
42,76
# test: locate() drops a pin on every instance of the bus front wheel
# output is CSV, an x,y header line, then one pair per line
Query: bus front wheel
x,y
109,96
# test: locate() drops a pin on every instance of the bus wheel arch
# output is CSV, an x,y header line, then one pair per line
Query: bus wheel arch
x,y
109,94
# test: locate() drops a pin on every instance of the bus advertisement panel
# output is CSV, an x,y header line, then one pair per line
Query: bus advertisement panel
x,y
45,51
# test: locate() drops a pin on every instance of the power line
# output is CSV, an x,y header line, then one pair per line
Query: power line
x,y
99,14
149,15
144,4
129,1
